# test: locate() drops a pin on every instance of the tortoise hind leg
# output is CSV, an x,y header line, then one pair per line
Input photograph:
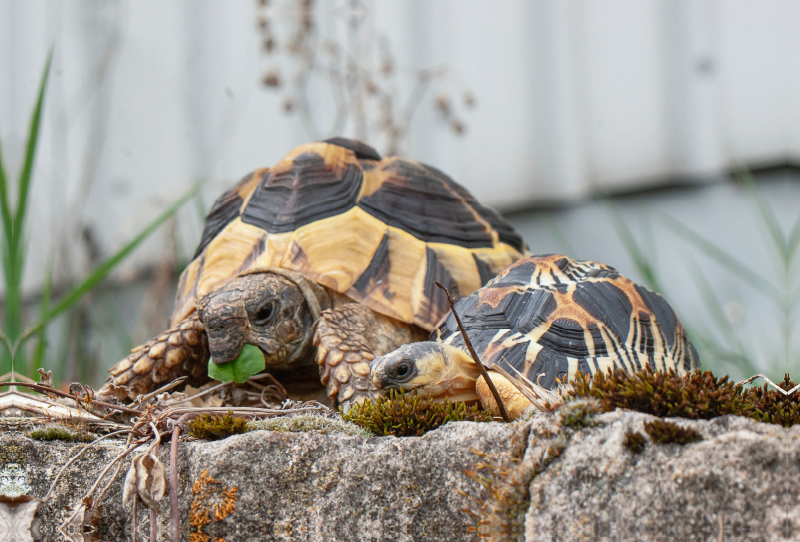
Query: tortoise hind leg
x,y
180,351
348,338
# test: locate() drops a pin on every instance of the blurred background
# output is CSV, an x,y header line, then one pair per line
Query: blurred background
x,y
661,137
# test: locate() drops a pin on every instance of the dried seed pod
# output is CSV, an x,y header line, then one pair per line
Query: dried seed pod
x,y
147,479
271,79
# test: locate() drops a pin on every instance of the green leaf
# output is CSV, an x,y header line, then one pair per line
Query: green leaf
x,y
13,219
250,362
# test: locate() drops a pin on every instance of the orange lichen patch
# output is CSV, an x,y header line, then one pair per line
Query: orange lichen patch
x,y
205,490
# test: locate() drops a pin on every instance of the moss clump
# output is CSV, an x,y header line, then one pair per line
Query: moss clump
x,y
309,423
634,442
664,432
697,396
771,406
580,413
404,415
217,427
60,432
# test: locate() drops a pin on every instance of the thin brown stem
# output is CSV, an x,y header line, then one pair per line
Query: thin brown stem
x,y
134,530
475,357
153,525
174,513
49,390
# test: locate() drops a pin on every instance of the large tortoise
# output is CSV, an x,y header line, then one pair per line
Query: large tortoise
x,y
329,256
546,317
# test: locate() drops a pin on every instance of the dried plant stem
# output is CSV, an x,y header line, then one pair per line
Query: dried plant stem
x,y
202,393
174,513
770,382
153,525
76,456
120,457
134,530
153,449
47,390
113,476
475,357
174,384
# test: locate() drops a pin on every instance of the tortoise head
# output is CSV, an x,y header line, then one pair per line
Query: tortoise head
x,y
265,309
438,370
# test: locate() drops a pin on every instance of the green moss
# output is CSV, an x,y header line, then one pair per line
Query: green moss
x,y
60,432
217,427
580,413
771,406
664,432
698,396
663,394
404,415
309,423
634,442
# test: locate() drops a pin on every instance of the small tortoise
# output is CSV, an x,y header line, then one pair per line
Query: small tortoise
x,y
546,317
329,256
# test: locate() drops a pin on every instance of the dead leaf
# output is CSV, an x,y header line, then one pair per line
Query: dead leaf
x,y
147,478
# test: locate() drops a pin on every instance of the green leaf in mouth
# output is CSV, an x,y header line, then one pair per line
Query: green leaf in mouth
x,y
249,362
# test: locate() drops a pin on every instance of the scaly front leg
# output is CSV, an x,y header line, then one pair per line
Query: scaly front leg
x,y
348,338
181,351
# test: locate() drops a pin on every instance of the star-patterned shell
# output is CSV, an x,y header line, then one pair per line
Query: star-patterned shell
x,y
550,316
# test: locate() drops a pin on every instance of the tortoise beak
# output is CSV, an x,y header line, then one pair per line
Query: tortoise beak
x,y
225,319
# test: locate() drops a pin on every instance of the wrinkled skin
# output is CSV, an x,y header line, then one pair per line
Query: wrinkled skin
x,y
265,310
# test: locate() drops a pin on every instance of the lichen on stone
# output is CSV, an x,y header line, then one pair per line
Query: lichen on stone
x,y
309,423
209,501
14,481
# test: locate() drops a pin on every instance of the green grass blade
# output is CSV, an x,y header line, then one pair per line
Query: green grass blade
x,y
717,357
767,214
30,156
794,240
5,206
640,259
713,305
725,259
561,240
102,270
13,221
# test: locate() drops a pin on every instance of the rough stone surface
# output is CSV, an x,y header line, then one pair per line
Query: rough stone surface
x,y
739,483
332,488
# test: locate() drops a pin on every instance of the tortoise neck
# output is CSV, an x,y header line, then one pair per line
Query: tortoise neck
x,y
461,375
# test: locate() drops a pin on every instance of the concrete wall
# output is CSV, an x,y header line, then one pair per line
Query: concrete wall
x,y
574,100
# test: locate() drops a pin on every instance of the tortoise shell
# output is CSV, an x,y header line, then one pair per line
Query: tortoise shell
x,y
379,231
550,316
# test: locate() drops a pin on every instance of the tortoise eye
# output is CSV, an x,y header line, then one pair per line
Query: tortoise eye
x,y
403,370
264,313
